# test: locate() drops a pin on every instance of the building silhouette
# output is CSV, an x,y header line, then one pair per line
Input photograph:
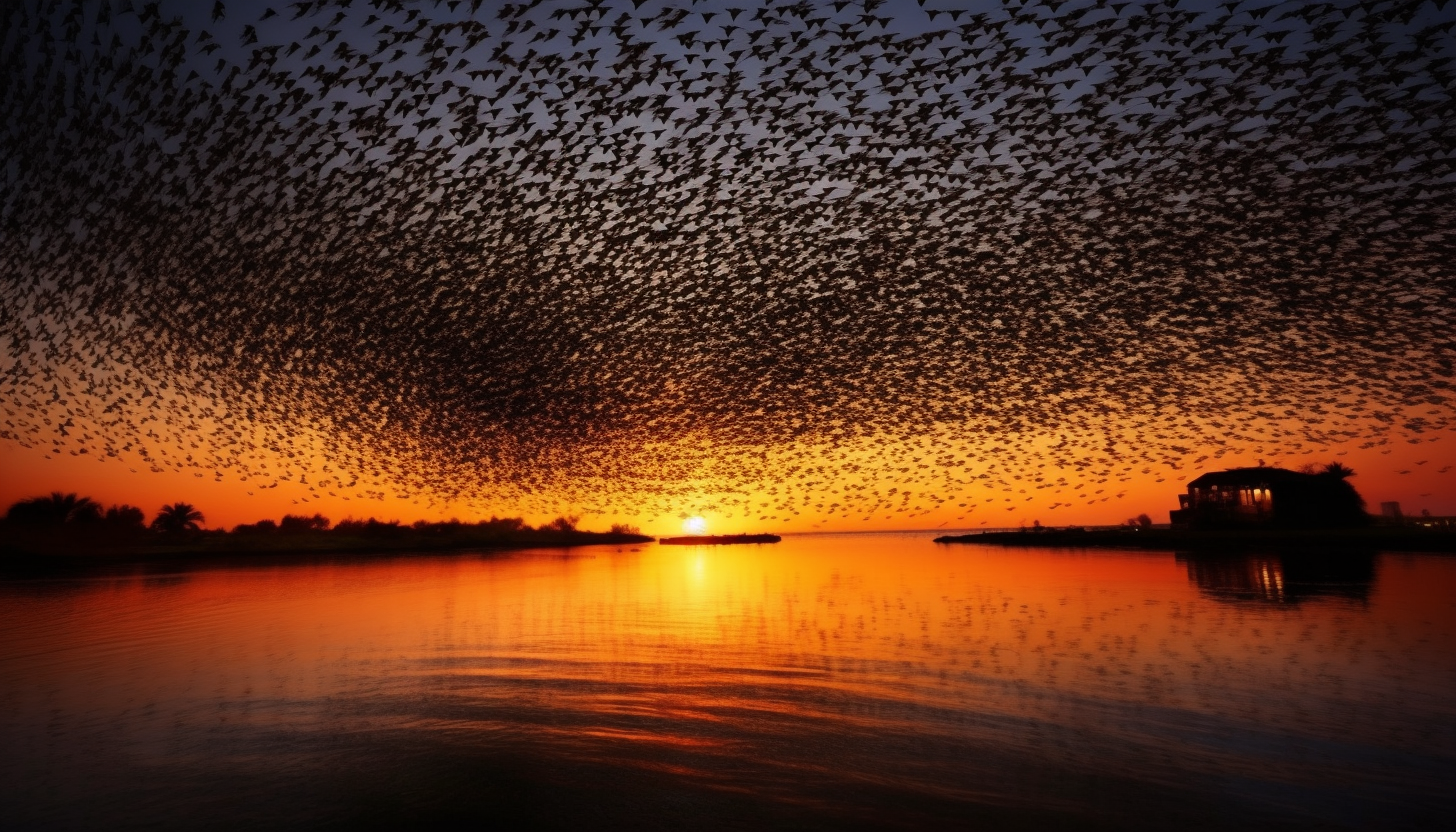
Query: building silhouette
x,y
1272,497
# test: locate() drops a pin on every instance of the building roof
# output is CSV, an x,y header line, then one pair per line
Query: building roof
x,y
1235,477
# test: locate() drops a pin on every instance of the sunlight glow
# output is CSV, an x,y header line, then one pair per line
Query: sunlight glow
x,y
695,525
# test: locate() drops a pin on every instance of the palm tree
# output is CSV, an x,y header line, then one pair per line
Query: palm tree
x,y
1342,504
178,518
56,510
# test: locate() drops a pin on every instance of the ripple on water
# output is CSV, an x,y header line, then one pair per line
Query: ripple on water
x,y
826,679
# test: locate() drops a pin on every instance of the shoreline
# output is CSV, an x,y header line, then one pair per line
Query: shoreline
x,y
19,560
1400,539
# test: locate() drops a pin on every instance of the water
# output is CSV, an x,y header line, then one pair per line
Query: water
x,y
828,681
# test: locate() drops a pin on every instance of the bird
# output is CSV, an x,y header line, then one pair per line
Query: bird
x,y
551,253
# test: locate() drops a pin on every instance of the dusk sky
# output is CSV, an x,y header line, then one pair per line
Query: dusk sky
x,y
786,266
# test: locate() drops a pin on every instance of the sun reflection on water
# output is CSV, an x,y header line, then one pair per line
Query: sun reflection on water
x,y
789,672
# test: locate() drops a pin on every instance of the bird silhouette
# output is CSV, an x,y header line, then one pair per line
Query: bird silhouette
x,y
872,260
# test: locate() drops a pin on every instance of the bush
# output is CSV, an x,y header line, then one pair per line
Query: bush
x,y
260,527
297,524
369,528
502,524
125,519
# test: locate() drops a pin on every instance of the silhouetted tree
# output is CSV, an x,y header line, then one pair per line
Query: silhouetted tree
x,y
57,509
125,519
297,523
178,518
368,528
1324,499
562,524
1344,504
503,524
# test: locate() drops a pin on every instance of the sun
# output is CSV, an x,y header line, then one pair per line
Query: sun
x,y
695,525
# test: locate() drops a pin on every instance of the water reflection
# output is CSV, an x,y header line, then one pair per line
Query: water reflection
x,y
822,682
1287,578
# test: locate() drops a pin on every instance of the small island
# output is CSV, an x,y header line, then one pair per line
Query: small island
x,y
719,539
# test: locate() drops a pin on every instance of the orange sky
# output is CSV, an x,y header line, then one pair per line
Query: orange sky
x,y
1288,289
1419,475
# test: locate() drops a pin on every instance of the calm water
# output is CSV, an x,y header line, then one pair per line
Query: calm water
x,y
827,681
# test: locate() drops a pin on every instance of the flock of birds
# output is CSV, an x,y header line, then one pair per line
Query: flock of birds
x,y
854,258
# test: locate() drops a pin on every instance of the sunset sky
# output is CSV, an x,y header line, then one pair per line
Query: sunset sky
x,y
784,266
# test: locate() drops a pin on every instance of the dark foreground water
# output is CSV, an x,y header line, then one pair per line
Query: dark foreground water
x,y
826,681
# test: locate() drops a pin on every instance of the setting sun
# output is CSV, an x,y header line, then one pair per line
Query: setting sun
x,y
695,525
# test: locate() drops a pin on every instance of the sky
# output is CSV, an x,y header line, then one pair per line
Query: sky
x,y
785,266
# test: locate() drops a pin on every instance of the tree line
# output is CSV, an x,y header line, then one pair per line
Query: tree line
x,y
57,511
71,518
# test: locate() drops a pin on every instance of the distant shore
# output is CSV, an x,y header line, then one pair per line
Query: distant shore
x,y
1397,538
39,554
719,539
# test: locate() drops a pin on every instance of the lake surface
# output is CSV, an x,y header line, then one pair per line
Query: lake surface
x,y
828,681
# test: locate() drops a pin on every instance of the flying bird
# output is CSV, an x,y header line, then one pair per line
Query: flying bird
x,y
622,254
